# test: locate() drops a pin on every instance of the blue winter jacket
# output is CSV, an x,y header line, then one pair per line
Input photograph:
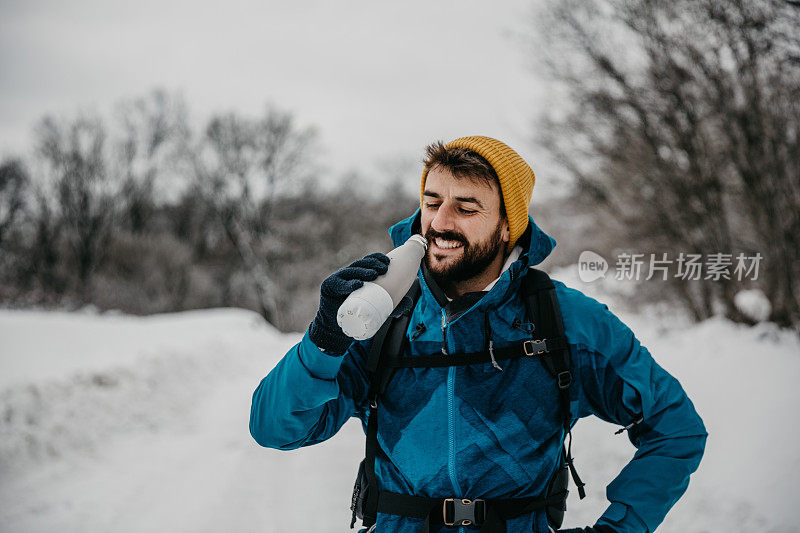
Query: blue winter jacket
x,y
477,432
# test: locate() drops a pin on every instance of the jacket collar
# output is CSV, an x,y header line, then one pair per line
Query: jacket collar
x,y
536,246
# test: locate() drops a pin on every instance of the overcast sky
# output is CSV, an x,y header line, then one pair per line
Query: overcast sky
x,y
378,79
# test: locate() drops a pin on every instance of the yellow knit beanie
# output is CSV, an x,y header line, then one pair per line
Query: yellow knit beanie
x,y
516,180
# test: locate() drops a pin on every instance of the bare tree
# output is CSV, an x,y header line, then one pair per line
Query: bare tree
x,y
154,136
44,250
80,194
14,182
683,127
251,230
242,166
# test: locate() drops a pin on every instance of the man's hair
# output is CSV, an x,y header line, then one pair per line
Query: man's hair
x,y
463,163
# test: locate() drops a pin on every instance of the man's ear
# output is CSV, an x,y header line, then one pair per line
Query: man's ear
x,y
505,233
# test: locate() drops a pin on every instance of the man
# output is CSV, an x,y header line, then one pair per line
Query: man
x,y
490,431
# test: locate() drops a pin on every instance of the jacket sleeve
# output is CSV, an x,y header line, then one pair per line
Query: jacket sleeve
x,y
619,381
308,396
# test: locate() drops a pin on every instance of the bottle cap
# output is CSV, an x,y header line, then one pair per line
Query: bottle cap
x,y
364,311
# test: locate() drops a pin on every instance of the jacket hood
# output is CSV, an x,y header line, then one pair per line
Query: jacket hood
x,y
536,244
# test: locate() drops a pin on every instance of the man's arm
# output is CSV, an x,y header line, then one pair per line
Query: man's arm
x,y
308,396
321,381
618,381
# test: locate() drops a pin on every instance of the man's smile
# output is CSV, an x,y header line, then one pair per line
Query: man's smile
x,y
444,246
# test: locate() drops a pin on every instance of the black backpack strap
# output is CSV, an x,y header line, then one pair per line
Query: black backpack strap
x,y
488,515
370,509
387,345
527,348
541,303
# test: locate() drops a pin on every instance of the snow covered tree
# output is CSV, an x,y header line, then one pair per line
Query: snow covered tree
x,y
682,129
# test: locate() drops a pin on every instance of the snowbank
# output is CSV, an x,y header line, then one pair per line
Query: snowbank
x,y
39,345
72,381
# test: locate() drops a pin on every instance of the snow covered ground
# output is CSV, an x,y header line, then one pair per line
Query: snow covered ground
x,y
128,424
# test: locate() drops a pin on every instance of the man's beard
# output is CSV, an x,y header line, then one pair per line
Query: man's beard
x,y
474,260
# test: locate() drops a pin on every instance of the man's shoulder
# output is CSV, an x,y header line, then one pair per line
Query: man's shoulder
x,y
589,323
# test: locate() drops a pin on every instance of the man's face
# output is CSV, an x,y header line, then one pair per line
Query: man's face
x,y
462,223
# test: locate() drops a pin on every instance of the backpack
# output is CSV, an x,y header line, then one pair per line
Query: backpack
x,y
385,357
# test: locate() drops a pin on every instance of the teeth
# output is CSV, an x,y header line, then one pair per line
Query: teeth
x,y
441,243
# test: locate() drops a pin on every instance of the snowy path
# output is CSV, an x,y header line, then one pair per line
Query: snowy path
x,y
176,455
206,477
193,467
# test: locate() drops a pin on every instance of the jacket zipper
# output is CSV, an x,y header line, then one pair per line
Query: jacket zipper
x,y
451,417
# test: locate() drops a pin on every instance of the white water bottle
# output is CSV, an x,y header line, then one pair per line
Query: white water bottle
x,y
367,308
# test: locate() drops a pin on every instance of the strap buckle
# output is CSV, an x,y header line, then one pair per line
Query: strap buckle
x,y
564,379
463,512
535,347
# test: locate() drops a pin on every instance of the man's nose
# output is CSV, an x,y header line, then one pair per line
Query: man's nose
x,y
444,219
